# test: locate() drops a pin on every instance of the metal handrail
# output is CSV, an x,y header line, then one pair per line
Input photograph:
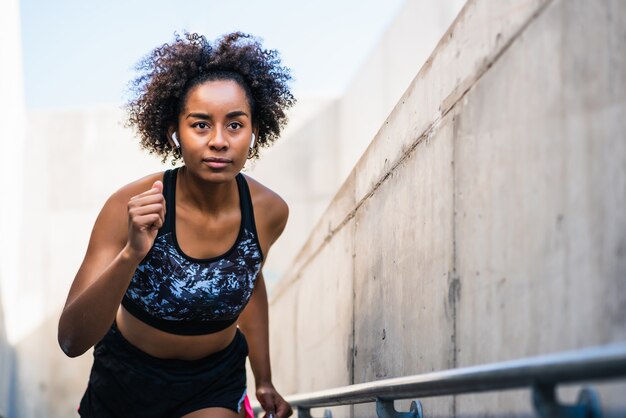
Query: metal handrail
x,y
588,364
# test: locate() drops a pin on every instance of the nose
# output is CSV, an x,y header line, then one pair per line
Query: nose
x,y
218,141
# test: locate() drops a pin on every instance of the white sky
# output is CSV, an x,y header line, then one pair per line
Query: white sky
x,y
79,52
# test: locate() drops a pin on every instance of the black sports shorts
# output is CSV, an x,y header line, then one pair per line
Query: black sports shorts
x,y
125,382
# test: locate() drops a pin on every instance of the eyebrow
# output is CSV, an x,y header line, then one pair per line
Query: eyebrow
x,y
199,116
236,113
206,116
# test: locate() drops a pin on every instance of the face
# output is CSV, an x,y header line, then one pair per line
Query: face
x,y
215,129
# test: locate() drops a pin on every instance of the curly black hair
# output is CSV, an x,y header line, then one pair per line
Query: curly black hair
x,y
169,72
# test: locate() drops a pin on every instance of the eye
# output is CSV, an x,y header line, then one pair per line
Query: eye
x,y
201,125
235,125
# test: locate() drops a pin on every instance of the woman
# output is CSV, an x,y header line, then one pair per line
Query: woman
x,y
171,280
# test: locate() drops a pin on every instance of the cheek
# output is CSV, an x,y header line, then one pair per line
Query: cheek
x,y
243,143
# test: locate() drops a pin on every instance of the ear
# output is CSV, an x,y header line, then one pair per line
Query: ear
x,y
255,139
254,147
170,132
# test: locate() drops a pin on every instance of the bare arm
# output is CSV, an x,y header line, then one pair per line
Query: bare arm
x,y
253,321
122,235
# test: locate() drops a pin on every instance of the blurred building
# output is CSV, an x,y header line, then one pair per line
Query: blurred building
x,y
12,120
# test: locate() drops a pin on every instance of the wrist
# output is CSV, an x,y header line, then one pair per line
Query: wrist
x,y
130,256
263,384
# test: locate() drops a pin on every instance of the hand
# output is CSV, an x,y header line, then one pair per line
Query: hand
x,y
146,214
272,403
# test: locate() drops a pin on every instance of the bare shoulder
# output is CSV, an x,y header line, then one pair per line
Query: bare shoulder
x,y
114,214
110,232
271,211
136,187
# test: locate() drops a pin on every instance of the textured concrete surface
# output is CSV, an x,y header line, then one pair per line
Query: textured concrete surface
x,y
481,32
301,167
310,162
324,317
487,215
540,192
387,72
403,263
284,357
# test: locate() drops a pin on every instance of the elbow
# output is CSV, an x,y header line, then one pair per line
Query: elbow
x,y
68,343
69,347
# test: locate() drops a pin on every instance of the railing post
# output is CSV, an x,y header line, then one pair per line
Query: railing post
x,y
385,409
306,413
547,405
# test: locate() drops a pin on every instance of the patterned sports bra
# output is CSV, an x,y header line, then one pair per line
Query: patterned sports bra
x,y
183,295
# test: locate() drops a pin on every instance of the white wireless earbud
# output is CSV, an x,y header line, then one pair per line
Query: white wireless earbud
x,y
252,142
175,140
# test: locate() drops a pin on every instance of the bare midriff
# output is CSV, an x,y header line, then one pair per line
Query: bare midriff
x,y
165,345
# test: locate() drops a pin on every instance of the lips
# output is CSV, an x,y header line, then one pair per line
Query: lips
x,y
217,162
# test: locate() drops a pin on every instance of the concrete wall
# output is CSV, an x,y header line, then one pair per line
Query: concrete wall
x,y
313,158
485,221
75,159
68,176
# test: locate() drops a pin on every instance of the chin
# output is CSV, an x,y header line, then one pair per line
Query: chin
x,y
217,176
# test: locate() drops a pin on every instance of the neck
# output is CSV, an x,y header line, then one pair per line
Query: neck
x,y
205,196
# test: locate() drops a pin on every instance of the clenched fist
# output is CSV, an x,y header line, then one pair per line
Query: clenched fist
x,y
146,214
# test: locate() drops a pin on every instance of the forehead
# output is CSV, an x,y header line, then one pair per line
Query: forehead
x,y
216,95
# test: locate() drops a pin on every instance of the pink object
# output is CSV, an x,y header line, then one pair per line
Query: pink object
x,y
248,407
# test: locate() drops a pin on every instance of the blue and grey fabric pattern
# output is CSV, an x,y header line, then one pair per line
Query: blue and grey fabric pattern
x,y
183,295
172,287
